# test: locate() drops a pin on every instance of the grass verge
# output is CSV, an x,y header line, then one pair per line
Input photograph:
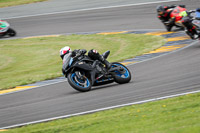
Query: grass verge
x,y
6,3
24,61
174,115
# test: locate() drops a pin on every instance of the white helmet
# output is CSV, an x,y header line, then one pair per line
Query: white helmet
x,y
64,51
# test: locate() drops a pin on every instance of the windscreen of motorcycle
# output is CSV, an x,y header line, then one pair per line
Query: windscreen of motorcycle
x,y
67,61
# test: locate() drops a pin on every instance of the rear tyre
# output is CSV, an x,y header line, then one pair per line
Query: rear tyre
x,y
82,85
11,32
120,77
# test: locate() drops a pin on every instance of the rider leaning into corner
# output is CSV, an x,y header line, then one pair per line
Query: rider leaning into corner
x,y
165,15
93,54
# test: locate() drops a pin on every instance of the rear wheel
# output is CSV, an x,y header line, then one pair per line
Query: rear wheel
x,y
11,32
79,82
122,76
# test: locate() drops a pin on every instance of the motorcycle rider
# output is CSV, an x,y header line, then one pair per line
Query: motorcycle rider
x,y
93,54
164,14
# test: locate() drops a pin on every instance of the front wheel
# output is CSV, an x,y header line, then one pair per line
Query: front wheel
x,y
79,82
168,27
123,75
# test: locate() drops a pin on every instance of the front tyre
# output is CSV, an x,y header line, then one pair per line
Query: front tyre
x,y
168,27
82,84
122,76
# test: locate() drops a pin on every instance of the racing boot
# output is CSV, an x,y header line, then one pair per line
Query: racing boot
x,y
196,35
93,54
192,32
104,61
189,34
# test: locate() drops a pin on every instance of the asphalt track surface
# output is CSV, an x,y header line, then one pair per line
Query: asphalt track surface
x,y
171,74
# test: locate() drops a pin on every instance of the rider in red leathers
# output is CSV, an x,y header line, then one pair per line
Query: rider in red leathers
x,y
170,15
164,14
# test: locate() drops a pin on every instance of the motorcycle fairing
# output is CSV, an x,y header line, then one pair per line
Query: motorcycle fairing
x,y
4,26
83,65
197,14
196,23
87,59
67,61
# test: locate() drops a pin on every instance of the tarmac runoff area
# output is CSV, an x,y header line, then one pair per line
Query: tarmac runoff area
x,y
175,41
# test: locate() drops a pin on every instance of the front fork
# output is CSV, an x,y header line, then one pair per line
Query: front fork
x,y
79,75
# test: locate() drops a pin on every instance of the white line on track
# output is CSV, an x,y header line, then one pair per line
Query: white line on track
x,y
101,109
60,81
89,9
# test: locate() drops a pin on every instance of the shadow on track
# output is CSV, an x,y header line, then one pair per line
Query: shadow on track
x,y
100,87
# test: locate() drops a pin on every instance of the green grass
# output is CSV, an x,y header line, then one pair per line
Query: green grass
x,y
174,115
24,61
6,3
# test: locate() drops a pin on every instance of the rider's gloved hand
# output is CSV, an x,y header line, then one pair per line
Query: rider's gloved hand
x,y
73,53
83,51
170,22
183,6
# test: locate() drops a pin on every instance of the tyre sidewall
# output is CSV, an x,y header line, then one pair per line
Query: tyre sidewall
x,y
11,32
76,87
119,79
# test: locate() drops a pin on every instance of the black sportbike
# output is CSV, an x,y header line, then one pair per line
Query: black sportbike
x,y
82,72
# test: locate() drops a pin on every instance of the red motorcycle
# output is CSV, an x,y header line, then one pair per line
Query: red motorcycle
x,y
175,18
